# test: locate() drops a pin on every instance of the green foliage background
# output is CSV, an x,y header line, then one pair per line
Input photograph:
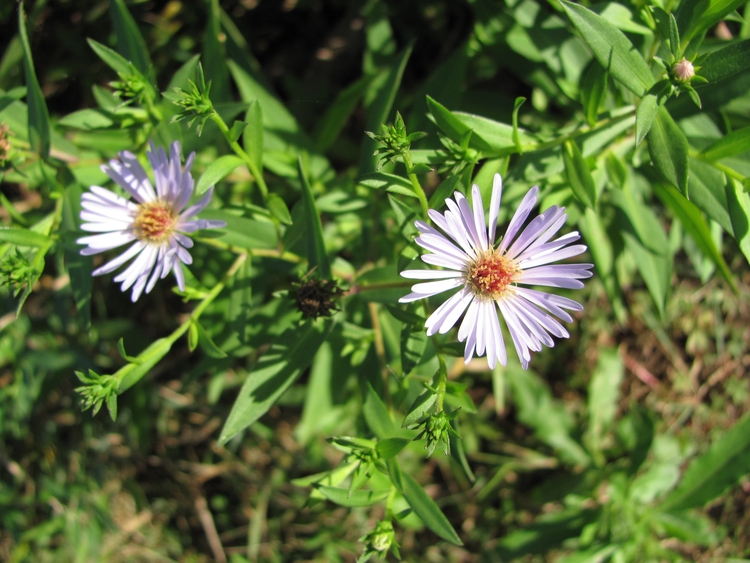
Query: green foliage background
x,y
627,442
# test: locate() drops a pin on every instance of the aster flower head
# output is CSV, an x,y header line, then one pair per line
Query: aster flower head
x,y
154,220
490,278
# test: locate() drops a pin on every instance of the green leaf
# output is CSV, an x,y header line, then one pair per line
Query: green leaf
x,y
444,191
612,48
87,119
329,127
579,176
707,13
112,58
253,138
726,62
206,342
390,447
545,533
274,373
413,343
359,498
24,237
422,504
593,90
383,181
38,115
278,208
381,108
316,248
132,373
241,232
732,144
707,192
738,202
696,226
214,54
668,148
456,129
648,108
550,420
600,246
79,267
376,415
712,473
668,28
129,39
217,170
514,118
419,408
604,394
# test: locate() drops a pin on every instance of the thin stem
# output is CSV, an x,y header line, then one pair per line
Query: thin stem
x,y
257,174
264,252
415,182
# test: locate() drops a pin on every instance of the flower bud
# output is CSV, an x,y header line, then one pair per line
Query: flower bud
x,y
683,70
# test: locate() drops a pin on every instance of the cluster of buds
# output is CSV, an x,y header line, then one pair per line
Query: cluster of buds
x,y
395,142
194,101
437,429
457,156
379,541
15,270
133,87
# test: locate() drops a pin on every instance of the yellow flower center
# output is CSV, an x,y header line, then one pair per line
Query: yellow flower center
x,y
491,274
154,222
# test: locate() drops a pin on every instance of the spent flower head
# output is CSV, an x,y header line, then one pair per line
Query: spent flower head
x,y
489,278
195,101
156,222
315,298
394,140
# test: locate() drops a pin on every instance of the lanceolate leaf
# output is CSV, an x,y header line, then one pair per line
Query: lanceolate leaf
x,y
648,107
738,202
130,42
343,497
275,372
579,176
705,14
23,237
709,475
668,148
316,248
423,505
696,226
611,48
217,170
381,108
253,135
593,90
39,132
726,62
732,144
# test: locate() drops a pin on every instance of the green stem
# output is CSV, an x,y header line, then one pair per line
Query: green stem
x,y
442,376
415,183
263,252
257,174
731,172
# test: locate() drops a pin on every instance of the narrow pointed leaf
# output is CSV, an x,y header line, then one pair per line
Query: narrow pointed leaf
x,y
712,473
217,170
612,48
579,176
38,115
696,226
253,137
129,39
732,144
316,248
668,148
343,497
274,373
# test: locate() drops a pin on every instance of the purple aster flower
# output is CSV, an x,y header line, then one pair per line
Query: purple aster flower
x,y
155,222
490,276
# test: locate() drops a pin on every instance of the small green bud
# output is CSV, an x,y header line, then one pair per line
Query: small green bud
x,y
379,541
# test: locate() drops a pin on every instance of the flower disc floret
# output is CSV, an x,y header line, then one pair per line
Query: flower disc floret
x,y
491,278
492,274
155,220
